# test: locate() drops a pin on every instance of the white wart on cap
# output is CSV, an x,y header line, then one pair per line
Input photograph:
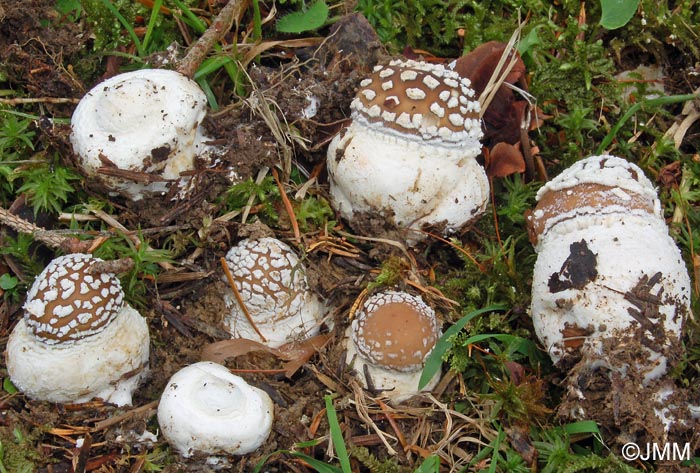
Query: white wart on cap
x,y
607,268
146,122
409,151
390,338
78,339
207,409
271,281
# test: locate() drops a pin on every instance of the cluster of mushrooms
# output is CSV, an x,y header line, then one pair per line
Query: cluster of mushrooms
x,y
408,156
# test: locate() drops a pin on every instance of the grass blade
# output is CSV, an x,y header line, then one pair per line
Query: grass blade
x,y
655,102
433,363
337,436
129,29
151,23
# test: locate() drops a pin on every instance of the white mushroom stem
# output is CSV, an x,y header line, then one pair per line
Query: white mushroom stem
x,y
108,365
204,408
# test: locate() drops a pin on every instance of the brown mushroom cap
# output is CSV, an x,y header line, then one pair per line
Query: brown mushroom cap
x,y
395,330
67,302
418,100
593,197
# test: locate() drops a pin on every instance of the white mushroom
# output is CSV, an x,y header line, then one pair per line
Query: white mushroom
x,y
205,408
145,125
607,271
272,284
78,339
409,153
388,342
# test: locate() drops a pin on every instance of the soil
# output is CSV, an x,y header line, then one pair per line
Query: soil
x,y
185,308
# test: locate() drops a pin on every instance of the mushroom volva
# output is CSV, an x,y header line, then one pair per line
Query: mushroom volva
x,y
139,132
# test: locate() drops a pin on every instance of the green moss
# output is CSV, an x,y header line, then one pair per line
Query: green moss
x,y
18,449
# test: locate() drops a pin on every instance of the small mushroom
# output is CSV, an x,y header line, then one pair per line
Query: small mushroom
x,y
409,152
388,342
607,271
271,282
139,131
207,409
78,339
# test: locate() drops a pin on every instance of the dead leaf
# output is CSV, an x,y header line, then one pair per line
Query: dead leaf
x,y
479,64
296,354
505,159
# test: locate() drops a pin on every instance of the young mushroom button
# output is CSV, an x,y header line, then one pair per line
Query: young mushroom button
x,y
207,409
139,131
78,339
274,292
409,152
389,340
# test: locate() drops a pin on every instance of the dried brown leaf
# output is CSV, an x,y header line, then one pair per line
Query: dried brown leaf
x,y
296,354
505,159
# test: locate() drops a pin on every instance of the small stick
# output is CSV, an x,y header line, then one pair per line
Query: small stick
x,y
47,237
393,424
232,283
24,100
287,206
219,27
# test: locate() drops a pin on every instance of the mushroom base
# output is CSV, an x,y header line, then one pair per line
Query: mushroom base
x,y
108,365
300,326
600,277
397,386
610,390
413,183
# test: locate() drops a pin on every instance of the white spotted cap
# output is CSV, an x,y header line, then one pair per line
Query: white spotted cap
x,y
272,284
395,330
68,303
419,101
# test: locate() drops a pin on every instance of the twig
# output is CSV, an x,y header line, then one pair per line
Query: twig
x,y
287,206
122,417
219,27
24,100
47,237
239,299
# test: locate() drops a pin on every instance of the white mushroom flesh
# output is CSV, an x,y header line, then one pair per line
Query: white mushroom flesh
x,y
606,265
205,408
409,152
389,340
272,284
78,340
144,121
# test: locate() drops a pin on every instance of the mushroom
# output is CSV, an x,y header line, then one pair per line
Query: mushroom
x,y
273,289
139,131
388,342
608,275
409,152
78,339
205,408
